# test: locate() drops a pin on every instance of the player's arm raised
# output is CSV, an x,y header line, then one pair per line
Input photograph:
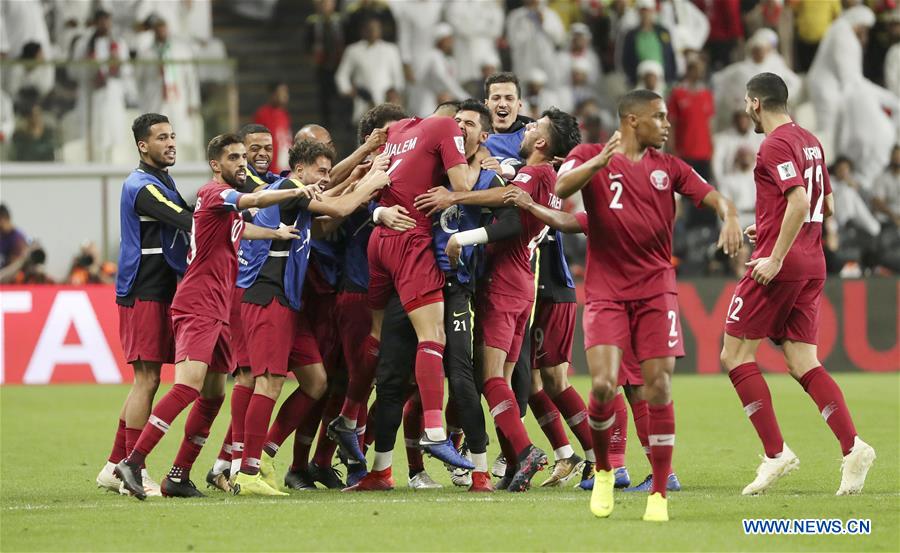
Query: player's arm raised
x,y
730,239
573,180
555,219
439,198
341,171
765,269
347,203
265,198
283,232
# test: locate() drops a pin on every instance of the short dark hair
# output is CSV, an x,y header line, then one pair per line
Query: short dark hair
x,y
483,112
217,145
377,117
634,99
454,104
140,128
770,90
307,151
30,50
503,77
564,132
4,212
252,128
273,86
838,161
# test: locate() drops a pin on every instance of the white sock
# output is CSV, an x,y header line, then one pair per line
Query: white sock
x,y
110,467
383,460
563,452
219,466
480,460
436,434
589,456
349,423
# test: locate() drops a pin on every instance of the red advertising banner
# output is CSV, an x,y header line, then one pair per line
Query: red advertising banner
x,y
59,334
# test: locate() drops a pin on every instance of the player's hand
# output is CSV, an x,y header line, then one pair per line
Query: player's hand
x,y
730,239
375,181
286,232
609,149
750,233
381,162
360,171
376,139
436,199
310,191
491,163
517,197
453,250
765,269
396,218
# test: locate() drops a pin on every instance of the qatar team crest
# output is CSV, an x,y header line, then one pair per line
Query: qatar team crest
x,y
659,179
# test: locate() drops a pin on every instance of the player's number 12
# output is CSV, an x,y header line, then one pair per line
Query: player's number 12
x,y
816,215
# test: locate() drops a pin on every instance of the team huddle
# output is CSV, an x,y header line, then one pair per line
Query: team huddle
x,y
433,251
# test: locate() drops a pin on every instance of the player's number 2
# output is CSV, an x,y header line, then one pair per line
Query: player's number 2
x,y
816,215
616,188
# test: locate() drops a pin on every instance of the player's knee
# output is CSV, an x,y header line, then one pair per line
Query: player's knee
x,y
243,377
555,382
603,388
146,382
658,388
728,359
314,384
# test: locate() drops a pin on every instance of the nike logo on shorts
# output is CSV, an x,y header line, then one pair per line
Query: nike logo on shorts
x,y
455,314
672,343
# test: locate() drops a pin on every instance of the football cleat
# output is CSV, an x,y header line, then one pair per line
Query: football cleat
x,y
375,481
499,468
246,484
461,477
421,481
657,508
151,488
587,477
672,484
503,484
602,499
218,481
855,466
771,470
481,482
298,480
329,477
444,451
267,470
180,488
532,461
346,439
355,473
107,478
130,475
623,479
563,471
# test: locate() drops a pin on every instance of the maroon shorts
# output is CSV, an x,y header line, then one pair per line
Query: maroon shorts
x,y
270,336
501,321
205,339
630,369
651,326
354,319
238,339
405,263
552,333
780,311
319,318
305,348
145,330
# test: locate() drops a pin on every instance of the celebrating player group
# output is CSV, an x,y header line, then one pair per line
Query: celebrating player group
x,y
435,250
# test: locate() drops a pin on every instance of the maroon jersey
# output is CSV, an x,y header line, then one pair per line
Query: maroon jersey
x,y
509,261
631,209
421,150
210,278
791,156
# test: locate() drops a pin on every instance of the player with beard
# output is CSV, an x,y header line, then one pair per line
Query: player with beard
x,y
200,310
278,334
629,190
546,353
257,140
779,296
505,300
155,223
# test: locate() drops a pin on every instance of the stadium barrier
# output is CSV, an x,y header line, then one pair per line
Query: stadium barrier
x,y
69,334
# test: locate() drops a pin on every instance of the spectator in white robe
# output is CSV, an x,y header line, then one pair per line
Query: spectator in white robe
x,y
535,33
370,71
727,143
416,22
437,77
477,25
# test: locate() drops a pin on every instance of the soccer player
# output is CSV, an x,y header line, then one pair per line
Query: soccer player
x,y
506,299
273,274
629,188
779,296
155,223
200,312
422,152
257,140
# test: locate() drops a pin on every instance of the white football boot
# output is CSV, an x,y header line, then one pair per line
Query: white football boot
x,y
770,470
855,466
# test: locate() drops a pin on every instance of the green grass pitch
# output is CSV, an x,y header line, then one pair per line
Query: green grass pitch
x,y
55,440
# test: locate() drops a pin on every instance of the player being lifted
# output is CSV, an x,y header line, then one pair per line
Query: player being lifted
x,y
779,296
629,189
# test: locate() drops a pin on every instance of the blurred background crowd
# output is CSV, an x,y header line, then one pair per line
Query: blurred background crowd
x,y
75,72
